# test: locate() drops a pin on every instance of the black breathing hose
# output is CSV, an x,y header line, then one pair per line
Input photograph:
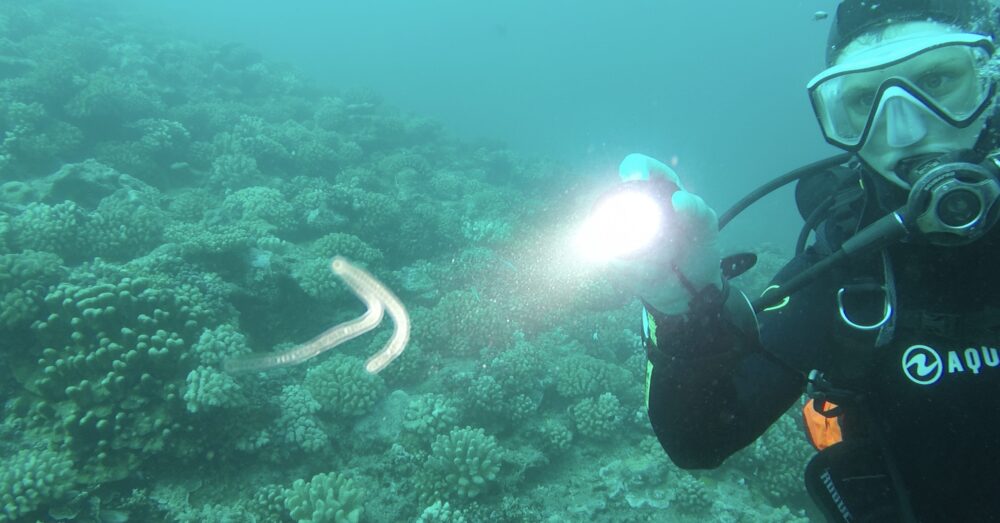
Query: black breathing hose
x,y
775,184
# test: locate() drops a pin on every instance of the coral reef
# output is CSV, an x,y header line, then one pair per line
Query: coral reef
x,y
599,418
298,424
326,498
24,279
342,387
207,389
429,416
440,512
112,369
30,480
462,464
169,205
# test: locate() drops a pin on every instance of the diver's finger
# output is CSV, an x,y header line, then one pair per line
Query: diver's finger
x,y
641,167
694,213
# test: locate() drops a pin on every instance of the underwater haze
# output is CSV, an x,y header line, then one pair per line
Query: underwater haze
x,y
278,262
718,87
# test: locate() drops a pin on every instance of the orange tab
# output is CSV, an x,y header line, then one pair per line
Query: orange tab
x,y
822,431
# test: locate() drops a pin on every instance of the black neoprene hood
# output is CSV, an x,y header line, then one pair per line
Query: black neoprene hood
x,y
857,17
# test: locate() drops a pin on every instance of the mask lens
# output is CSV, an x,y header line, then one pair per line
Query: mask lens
x,y
946,78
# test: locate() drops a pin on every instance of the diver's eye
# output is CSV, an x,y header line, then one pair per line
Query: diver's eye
x,y
861,100
933,82
867,99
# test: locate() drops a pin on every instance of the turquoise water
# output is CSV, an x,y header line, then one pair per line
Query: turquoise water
x,y
175,181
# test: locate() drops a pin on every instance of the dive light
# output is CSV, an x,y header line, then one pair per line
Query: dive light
x,y
627,221
954,201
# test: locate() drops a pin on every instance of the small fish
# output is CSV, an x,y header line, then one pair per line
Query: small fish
x,y
820,15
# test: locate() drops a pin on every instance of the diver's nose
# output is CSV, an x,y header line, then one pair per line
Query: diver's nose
x,y
904,121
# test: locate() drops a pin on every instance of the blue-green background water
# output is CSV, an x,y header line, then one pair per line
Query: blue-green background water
x,y
718,85
175,179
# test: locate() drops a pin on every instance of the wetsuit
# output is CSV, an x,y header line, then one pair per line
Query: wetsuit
x,y
919,396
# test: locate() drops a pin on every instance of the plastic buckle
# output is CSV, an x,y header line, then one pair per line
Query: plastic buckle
x,y
816,385
819,388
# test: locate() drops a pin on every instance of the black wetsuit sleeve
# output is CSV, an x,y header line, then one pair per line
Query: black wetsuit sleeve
x,y
712,388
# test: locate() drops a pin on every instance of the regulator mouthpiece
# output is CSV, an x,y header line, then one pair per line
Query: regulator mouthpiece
x,y
953,202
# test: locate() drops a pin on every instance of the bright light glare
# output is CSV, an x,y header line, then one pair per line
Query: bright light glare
x,y
623,224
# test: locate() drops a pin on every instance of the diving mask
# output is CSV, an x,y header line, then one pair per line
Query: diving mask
x,y
923,94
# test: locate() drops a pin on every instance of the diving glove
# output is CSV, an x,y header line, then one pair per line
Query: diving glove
x,y
687,257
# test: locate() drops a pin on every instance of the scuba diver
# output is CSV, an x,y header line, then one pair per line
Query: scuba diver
x,y
888,320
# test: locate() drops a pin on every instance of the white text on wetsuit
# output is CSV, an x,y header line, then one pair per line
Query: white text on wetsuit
x,y
925,365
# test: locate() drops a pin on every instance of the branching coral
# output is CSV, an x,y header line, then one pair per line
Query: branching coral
x,y
690,494
599,418
113,370
312,270
30,137
342,387
581,376
463,463
107,98
124,225
262,205
429,416
463,322
234,170
161,138
368,214
52,228
268,504
219,344
197,239
440,512
24,282
313,200
31,480
348,246
555,436
326,498
208,389
254,137
297,424
409,368
490,402
522,368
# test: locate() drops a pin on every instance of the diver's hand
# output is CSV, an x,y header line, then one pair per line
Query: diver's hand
x,y
691,247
